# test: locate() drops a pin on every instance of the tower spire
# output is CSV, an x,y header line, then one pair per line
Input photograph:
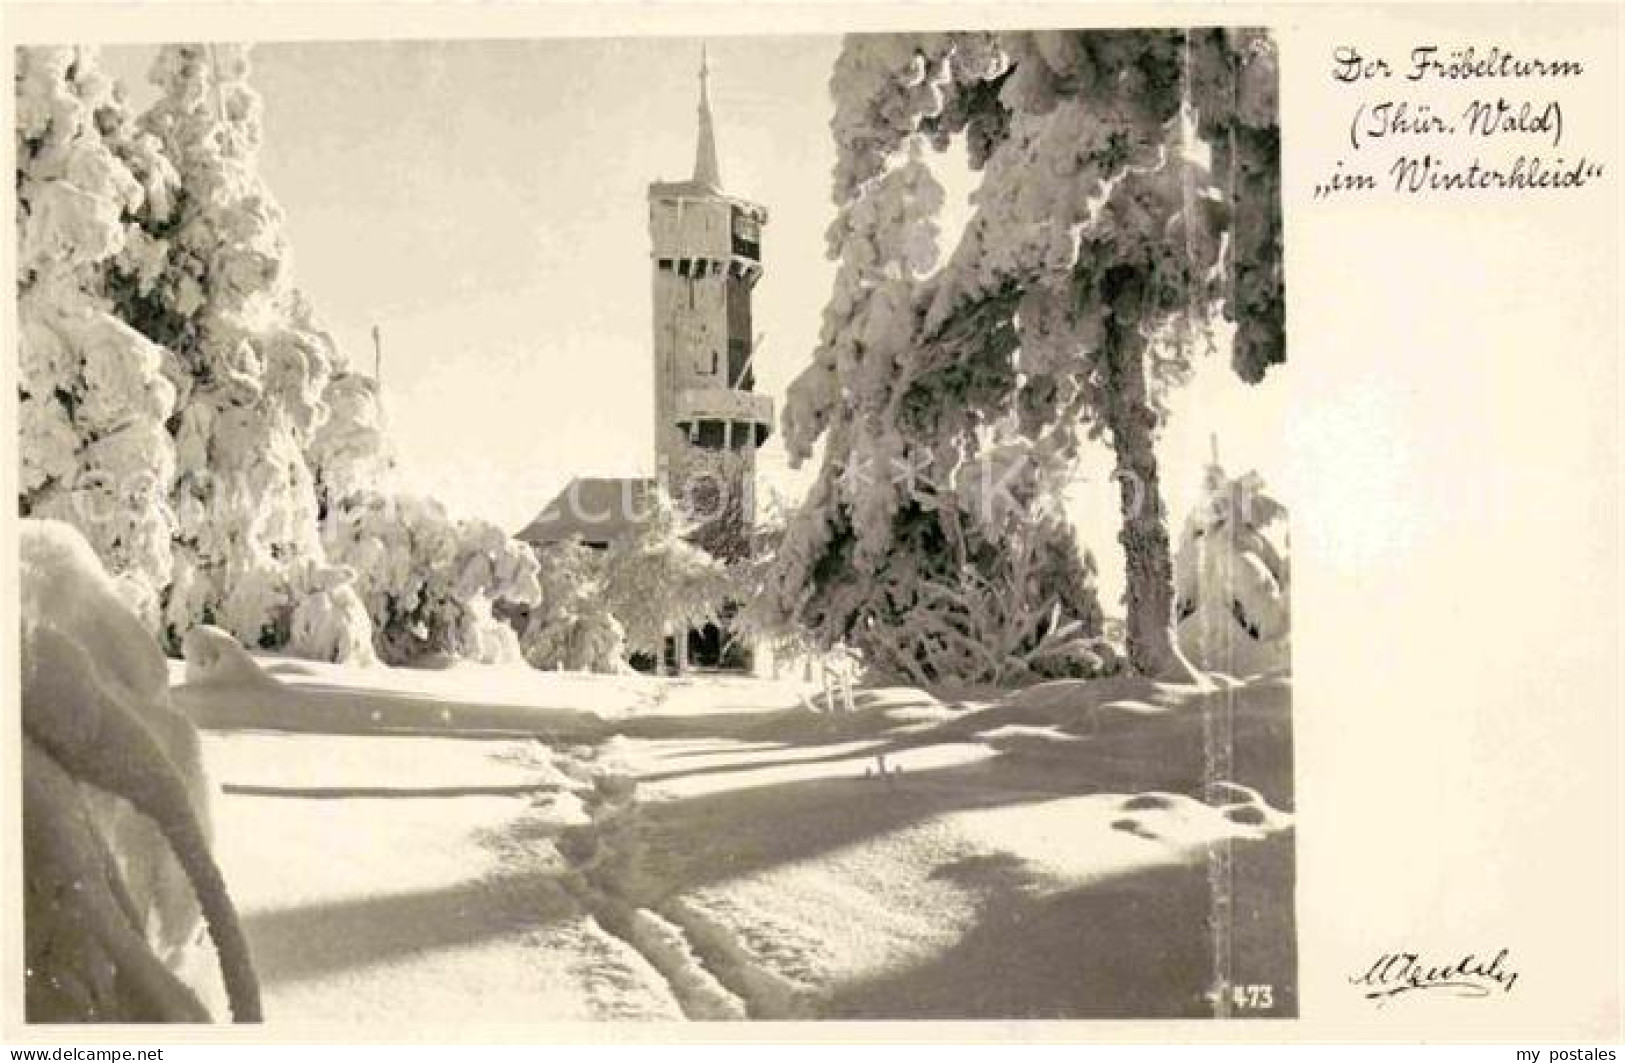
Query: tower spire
x,y
706,171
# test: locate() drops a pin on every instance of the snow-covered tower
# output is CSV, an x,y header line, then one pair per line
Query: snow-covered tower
x,y
706,248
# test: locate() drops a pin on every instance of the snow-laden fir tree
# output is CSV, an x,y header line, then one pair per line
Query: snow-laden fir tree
x,y
571,628
658,584
181,405
93,396
1130,192
250,368
1233,577
297,535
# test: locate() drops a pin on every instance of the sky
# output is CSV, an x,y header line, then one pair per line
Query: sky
x,y
484,204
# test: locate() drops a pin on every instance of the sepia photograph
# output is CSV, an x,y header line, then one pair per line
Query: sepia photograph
x,y
661,528
648,525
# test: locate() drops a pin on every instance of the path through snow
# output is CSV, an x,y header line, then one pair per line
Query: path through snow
x,y
728,855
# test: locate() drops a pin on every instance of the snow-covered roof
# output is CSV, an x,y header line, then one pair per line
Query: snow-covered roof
x,y
598,509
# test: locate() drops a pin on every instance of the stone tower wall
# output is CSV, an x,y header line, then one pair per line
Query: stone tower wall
x,y
707,423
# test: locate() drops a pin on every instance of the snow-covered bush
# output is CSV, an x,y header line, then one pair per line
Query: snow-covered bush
x,y
210,281
330,622
117,872
428,580
1233,576
571,627
93,397
180,404
350,451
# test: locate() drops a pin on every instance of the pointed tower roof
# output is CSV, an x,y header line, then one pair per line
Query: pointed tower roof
x,y
706,183
706,170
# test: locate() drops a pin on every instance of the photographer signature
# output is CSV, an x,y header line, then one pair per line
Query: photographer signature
x,y
1397,973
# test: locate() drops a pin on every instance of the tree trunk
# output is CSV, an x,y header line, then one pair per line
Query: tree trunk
x,y
679,650
1127,413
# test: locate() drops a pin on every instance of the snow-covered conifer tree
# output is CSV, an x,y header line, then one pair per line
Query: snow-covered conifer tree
x,y
182,406
428,580
658,584
251,368
1129,191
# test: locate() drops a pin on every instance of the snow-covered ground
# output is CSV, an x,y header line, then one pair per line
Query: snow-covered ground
x,y
520,847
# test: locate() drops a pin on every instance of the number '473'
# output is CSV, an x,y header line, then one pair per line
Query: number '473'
x,y
1253,997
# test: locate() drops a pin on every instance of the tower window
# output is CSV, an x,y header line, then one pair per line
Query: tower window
x,y
745,236
711,435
